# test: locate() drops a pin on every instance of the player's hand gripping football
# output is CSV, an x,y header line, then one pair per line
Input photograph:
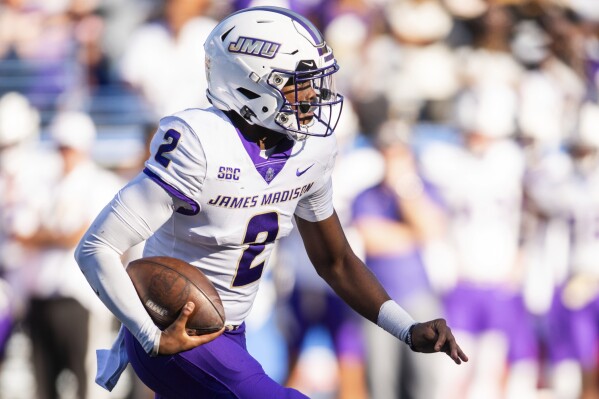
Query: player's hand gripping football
x,y
175,338
435,336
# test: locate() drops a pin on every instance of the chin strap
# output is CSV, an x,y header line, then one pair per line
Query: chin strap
x,y
246,113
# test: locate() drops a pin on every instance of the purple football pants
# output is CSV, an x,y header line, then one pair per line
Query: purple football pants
x,y
477,309
221,369
557,331
585,333
326,309
6,325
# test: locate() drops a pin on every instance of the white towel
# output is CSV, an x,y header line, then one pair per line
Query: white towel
x,y
112,362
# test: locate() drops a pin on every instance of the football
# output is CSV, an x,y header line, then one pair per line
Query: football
x,y
166,284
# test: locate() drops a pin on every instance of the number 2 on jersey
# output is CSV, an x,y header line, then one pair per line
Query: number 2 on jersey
x,y
171,138
258,226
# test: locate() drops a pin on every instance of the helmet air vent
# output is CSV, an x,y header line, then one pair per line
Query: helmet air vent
x,y
248,93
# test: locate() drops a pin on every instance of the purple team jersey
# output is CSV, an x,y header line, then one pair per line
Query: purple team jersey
x,y
401,274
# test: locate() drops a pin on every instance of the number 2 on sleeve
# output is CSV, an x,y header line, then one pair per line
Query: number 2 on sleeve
x,y
261,230
171,139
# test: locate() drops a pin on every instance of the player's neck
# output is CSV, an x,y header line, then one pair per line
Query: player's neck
x,y
264,138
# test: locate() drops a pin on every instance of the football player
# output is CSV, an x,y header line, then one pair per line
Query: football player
x,y
478,179
222,184
569,197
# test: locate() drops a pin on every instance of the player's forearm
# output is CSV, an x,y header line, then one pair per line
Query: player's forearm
x,y
108,278
338,265
356,285
99,257
133,215
361,290
334,260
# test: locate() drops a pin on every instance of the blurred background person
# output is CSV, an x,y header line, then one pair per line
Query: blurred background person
x,y
163,56
418,66
487,56
21,180
545,247
570,194
581,293
549,91
64,322
395,219
56,48
480,182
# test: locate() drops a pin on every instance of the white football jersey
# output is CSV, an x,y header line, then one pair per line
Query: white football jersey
x,y
237,202
571,194
483,194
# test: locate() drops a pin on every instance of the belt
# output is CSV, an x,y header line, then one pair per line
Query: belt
x,y
231,327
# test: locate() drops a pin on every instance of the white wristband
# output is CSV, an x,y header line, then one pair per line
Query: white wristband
x,y
395,320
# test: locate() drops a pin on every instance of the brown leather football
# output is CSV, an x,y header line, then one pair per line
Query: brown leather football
x,y
166,284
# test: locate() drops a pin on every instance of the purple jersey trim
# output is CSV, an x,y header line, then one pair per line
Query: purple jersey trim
x,y
268,168
195,207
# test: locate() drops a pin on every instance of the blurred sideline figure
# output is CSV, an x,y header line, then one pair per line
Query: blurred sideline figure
x,y
66,321
480,183
395,219
489,58
566,189
581,292
549,93
418,65
20,183
163,56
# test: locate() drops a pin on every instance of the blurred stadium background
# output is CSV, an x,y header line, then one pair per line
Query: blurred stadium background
x,y
480,117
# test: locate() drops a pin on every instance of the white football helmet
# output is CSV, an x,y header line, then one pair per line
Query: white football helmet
x,y
588,120
19,120
253,53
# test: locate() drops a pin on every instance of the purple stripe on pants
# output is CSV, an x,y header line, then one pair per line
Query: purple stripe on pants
x,y
221,369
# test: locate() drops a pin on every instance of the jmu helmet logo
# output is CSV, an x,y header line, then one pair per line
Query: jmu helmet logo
x,y
256,47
